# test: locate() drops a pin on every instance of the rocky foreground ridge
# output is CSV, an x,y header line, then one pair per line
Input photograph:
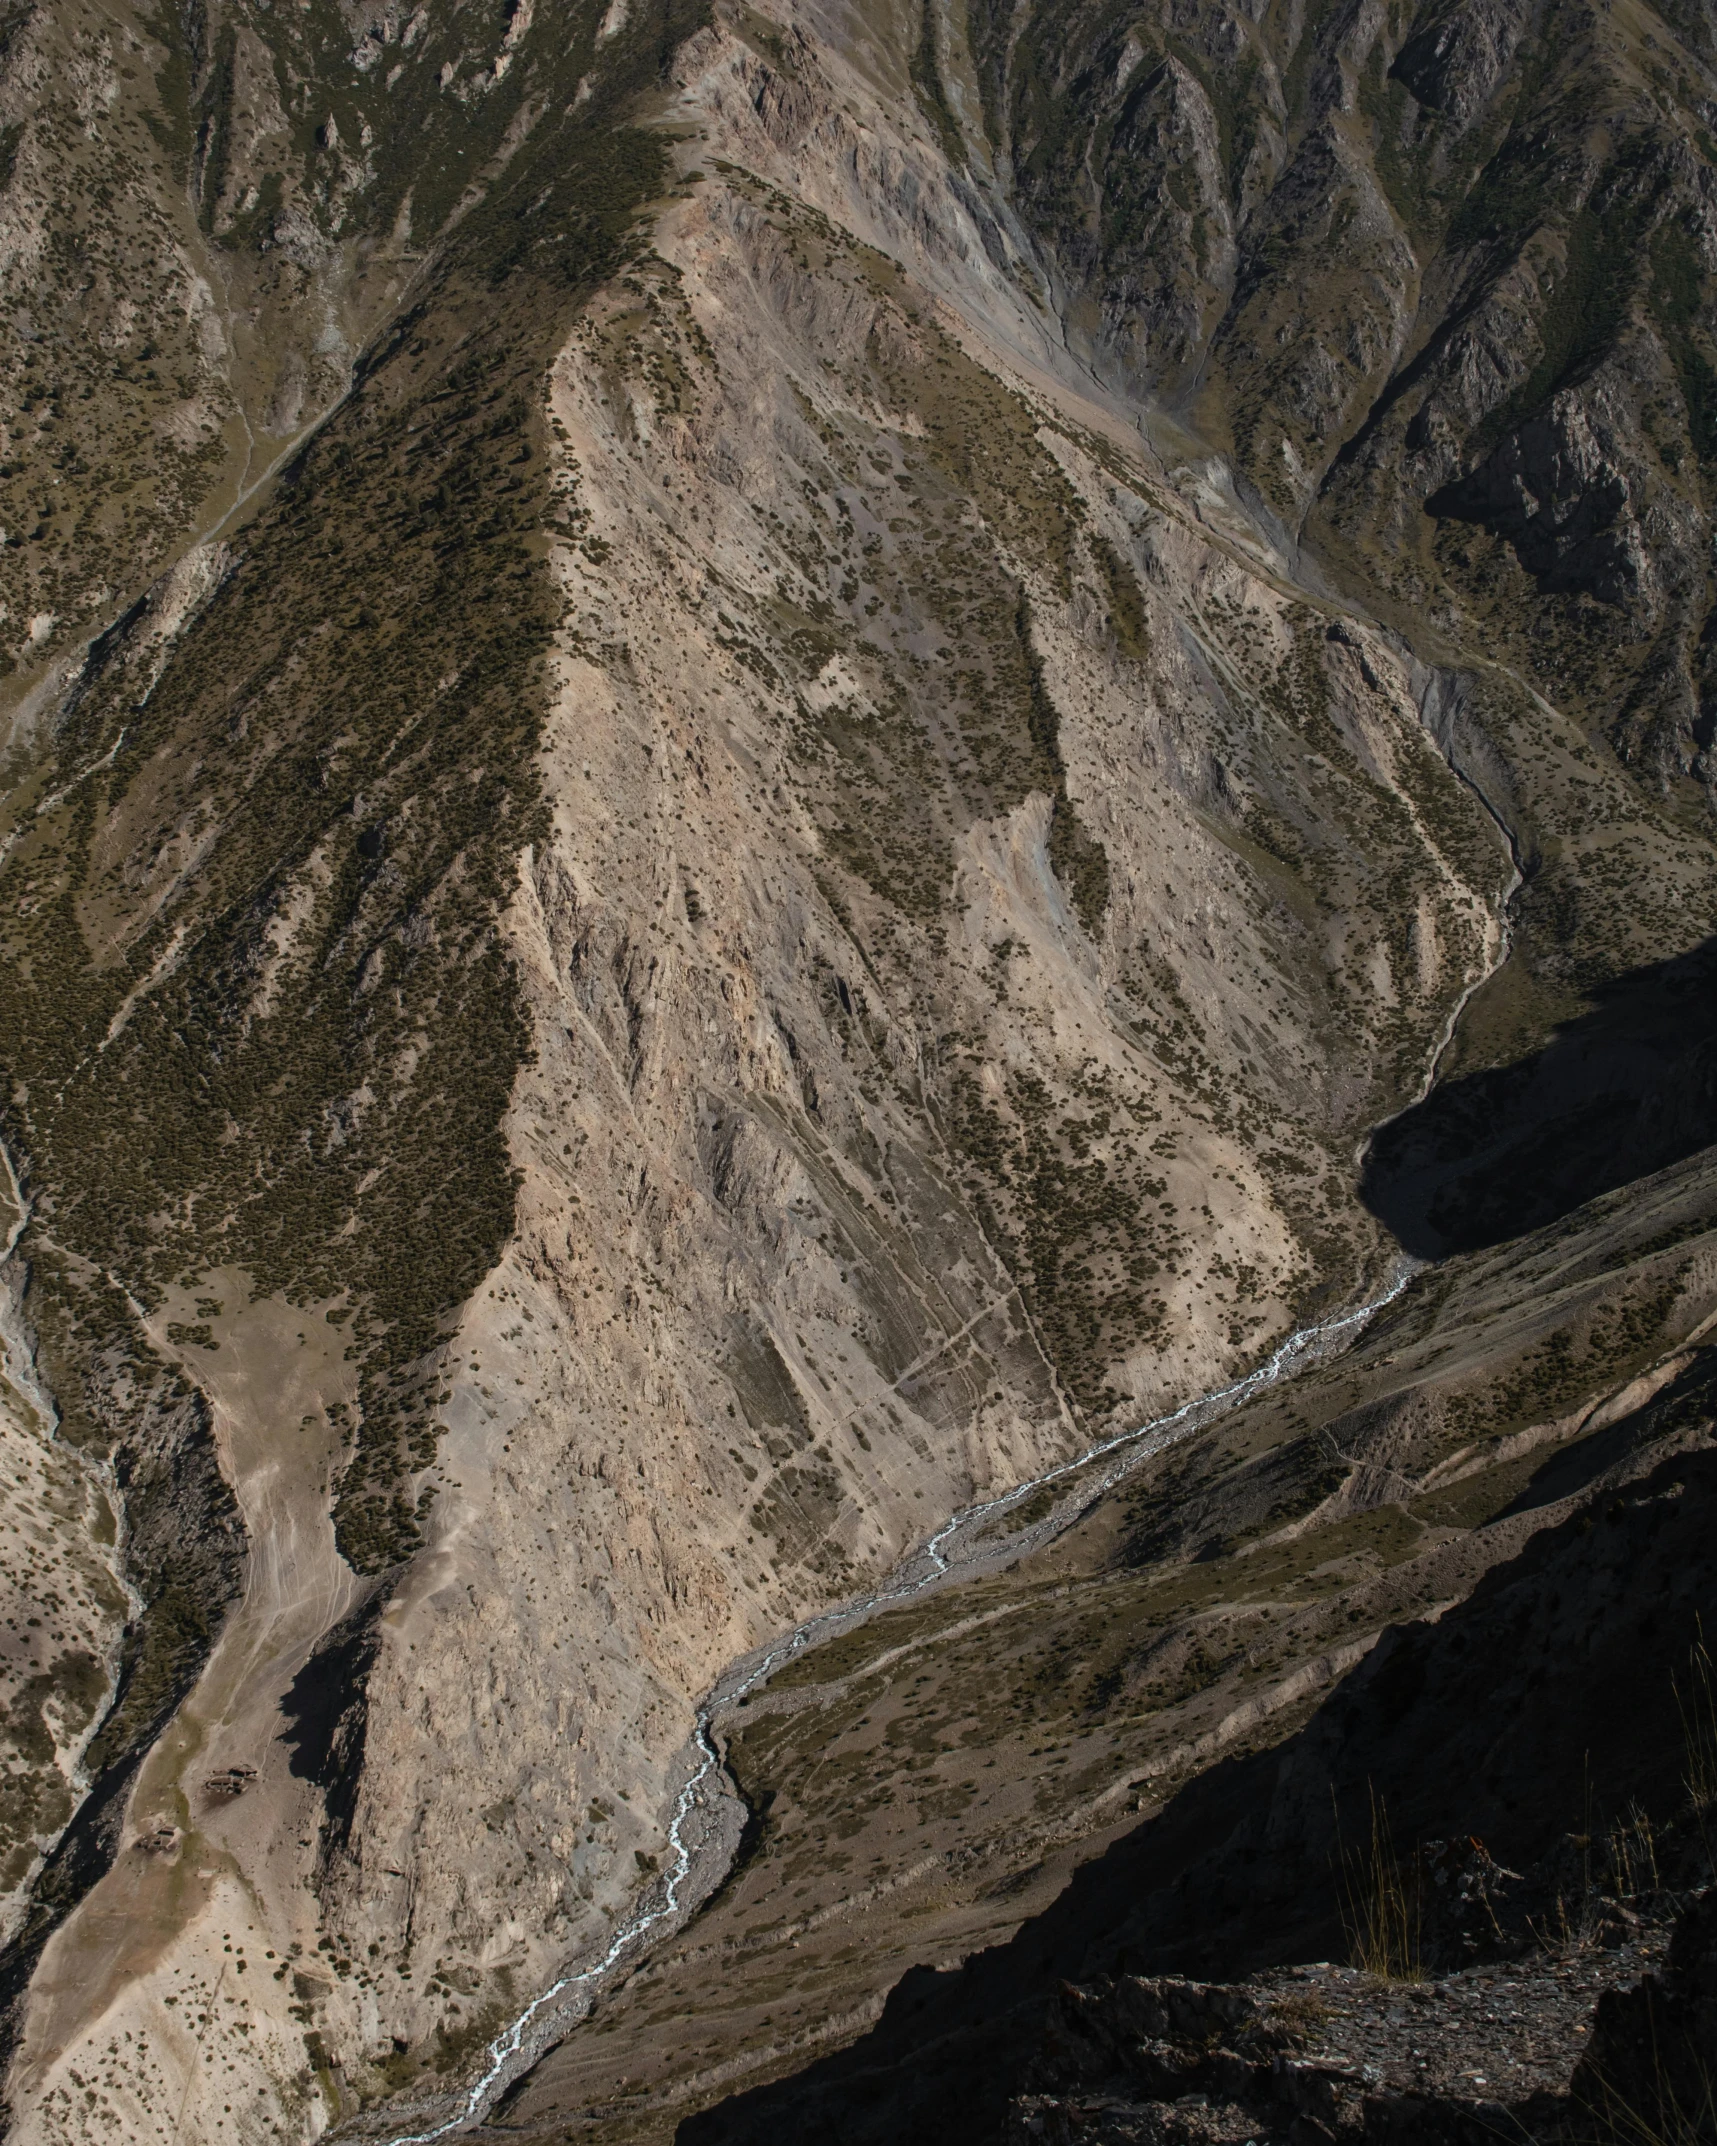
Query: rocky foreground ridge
x,y
1578,2044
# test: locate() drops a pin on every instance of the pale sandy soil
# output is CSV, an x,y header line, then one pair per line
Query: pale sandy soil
x,y
148,1965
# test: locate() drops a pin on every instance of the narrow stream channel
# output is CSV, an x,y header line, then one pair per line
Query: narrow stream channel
x,y
702,1846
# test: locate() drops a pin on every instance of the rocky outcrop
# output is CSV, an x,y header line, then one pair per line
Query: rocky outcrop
x,y
1573,493
1648,2060
1455,57
1325,2053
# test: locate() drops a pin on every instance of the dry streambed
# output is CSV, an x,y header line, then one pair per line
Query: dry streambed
x,y
219,1831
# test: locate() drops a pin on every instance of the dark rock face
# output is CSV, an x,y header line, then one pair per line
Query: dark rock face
x,y
327,1711
1651,2068
1171,241
1450,327
1456,56
1562,502
1322,2054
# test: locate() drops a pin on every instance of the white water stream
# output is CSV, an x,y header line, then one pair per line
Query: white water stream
x,y
958,1545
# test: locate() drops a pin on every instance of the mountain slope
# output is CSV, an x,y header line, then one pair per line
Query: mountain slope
x,y
751,899
1440,281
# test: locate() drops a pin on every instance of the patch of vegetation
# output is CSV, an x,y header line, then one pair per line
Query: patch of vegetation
x,y
1407,148
1128,619
1567,1365
1074,1206
797,1514
960,504
1077,858
1580,320
1681,302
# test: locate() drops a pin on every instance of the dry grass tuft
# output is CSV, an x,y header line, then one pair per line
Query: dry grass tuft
x,y
1380,1904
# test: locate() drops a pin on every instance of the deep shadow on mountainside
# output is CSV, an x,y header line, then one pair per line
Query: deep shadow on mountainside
x,y
1625,1088
1528,1719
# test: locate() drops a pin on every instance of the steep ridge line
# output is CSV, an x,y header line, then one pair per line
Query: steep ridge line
x,y
938,1558
695,1833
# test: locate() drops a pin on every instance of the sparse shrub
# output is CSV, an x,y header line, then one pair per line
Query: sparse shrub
x,y
1696,1700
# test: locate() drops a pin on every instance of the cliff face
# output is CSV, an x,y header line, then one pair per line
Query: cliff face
x,y
756,897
